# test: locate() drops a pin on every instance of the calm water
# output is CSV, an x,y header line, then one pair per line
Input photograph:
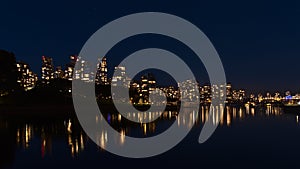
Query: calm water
x,y
246,138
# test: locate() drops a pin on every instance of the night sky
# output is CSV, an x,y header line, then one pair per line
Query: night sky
x,y
258,42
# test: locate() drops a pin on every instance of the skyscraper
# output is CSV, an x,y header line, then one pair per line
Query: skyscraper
x,y
59,73
70,67
26,78
189,90
229,91
101,76
151,82
47,69
119,78
83,71
144,89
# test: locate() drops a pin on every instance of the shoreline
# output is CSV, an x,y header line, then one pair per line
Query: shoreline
x,y
67,110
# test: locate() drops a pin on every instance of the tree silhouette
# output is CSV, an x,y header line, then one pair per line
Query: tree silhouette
x,y
8,72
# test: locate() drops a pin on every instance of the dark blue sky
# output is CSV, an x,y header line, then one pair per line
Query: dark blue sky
x,y
258,42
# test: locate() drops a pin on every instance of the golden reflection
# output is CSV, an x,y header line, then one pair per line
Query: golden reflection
x,y
206,113
222,117
247,106
216,115
103,139
97,119
240,113
234,112
69,125
222,114
252,111
122,137
18,136
202,115
76,146
81,142
149,116
195,117
119,117
190,124
28,135
75,139
43,148
152,127
70,140
269,109
145,128
228,119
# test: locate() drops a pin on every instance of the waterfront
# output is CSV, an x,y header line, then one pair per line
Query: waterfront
x,y
256,137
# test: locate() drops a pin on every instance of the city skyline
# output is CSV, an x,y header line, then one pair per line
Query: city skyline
x,y
28,79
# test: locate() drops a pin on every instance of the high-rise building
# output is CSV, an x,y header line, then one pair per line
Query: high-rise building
x,y
70,67
229,91
101,76
83,71
151,82
238,95
189,90
26,78
47,69
242,94
144,89
119,78
59,73
223,90
205,93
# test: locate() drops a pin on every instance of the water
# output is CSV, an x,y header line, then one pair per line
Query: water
x,y
246,138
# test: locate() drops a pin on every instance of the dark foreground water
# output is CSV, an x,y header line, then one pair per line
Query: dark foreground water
x,y
262,137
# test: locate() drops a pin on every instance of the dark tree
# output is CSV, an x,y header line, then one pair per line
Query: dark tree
x,y
8,72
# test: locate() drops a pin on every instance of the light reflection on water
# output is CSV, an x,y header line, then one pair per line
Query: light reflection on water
x,y
70,132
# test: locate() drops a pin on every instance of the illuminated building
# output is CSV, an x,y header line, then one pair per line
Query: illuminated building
x,y
144,89
47,69
238,95
189,90
151,82
277,96
242,94
223,90
235,95
26,78
103,71
59,73
147,86
229,91
144,85
260,97
70,67
215,91
205,93
134,91
140,90
84,72
119,78
172,92
101,76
